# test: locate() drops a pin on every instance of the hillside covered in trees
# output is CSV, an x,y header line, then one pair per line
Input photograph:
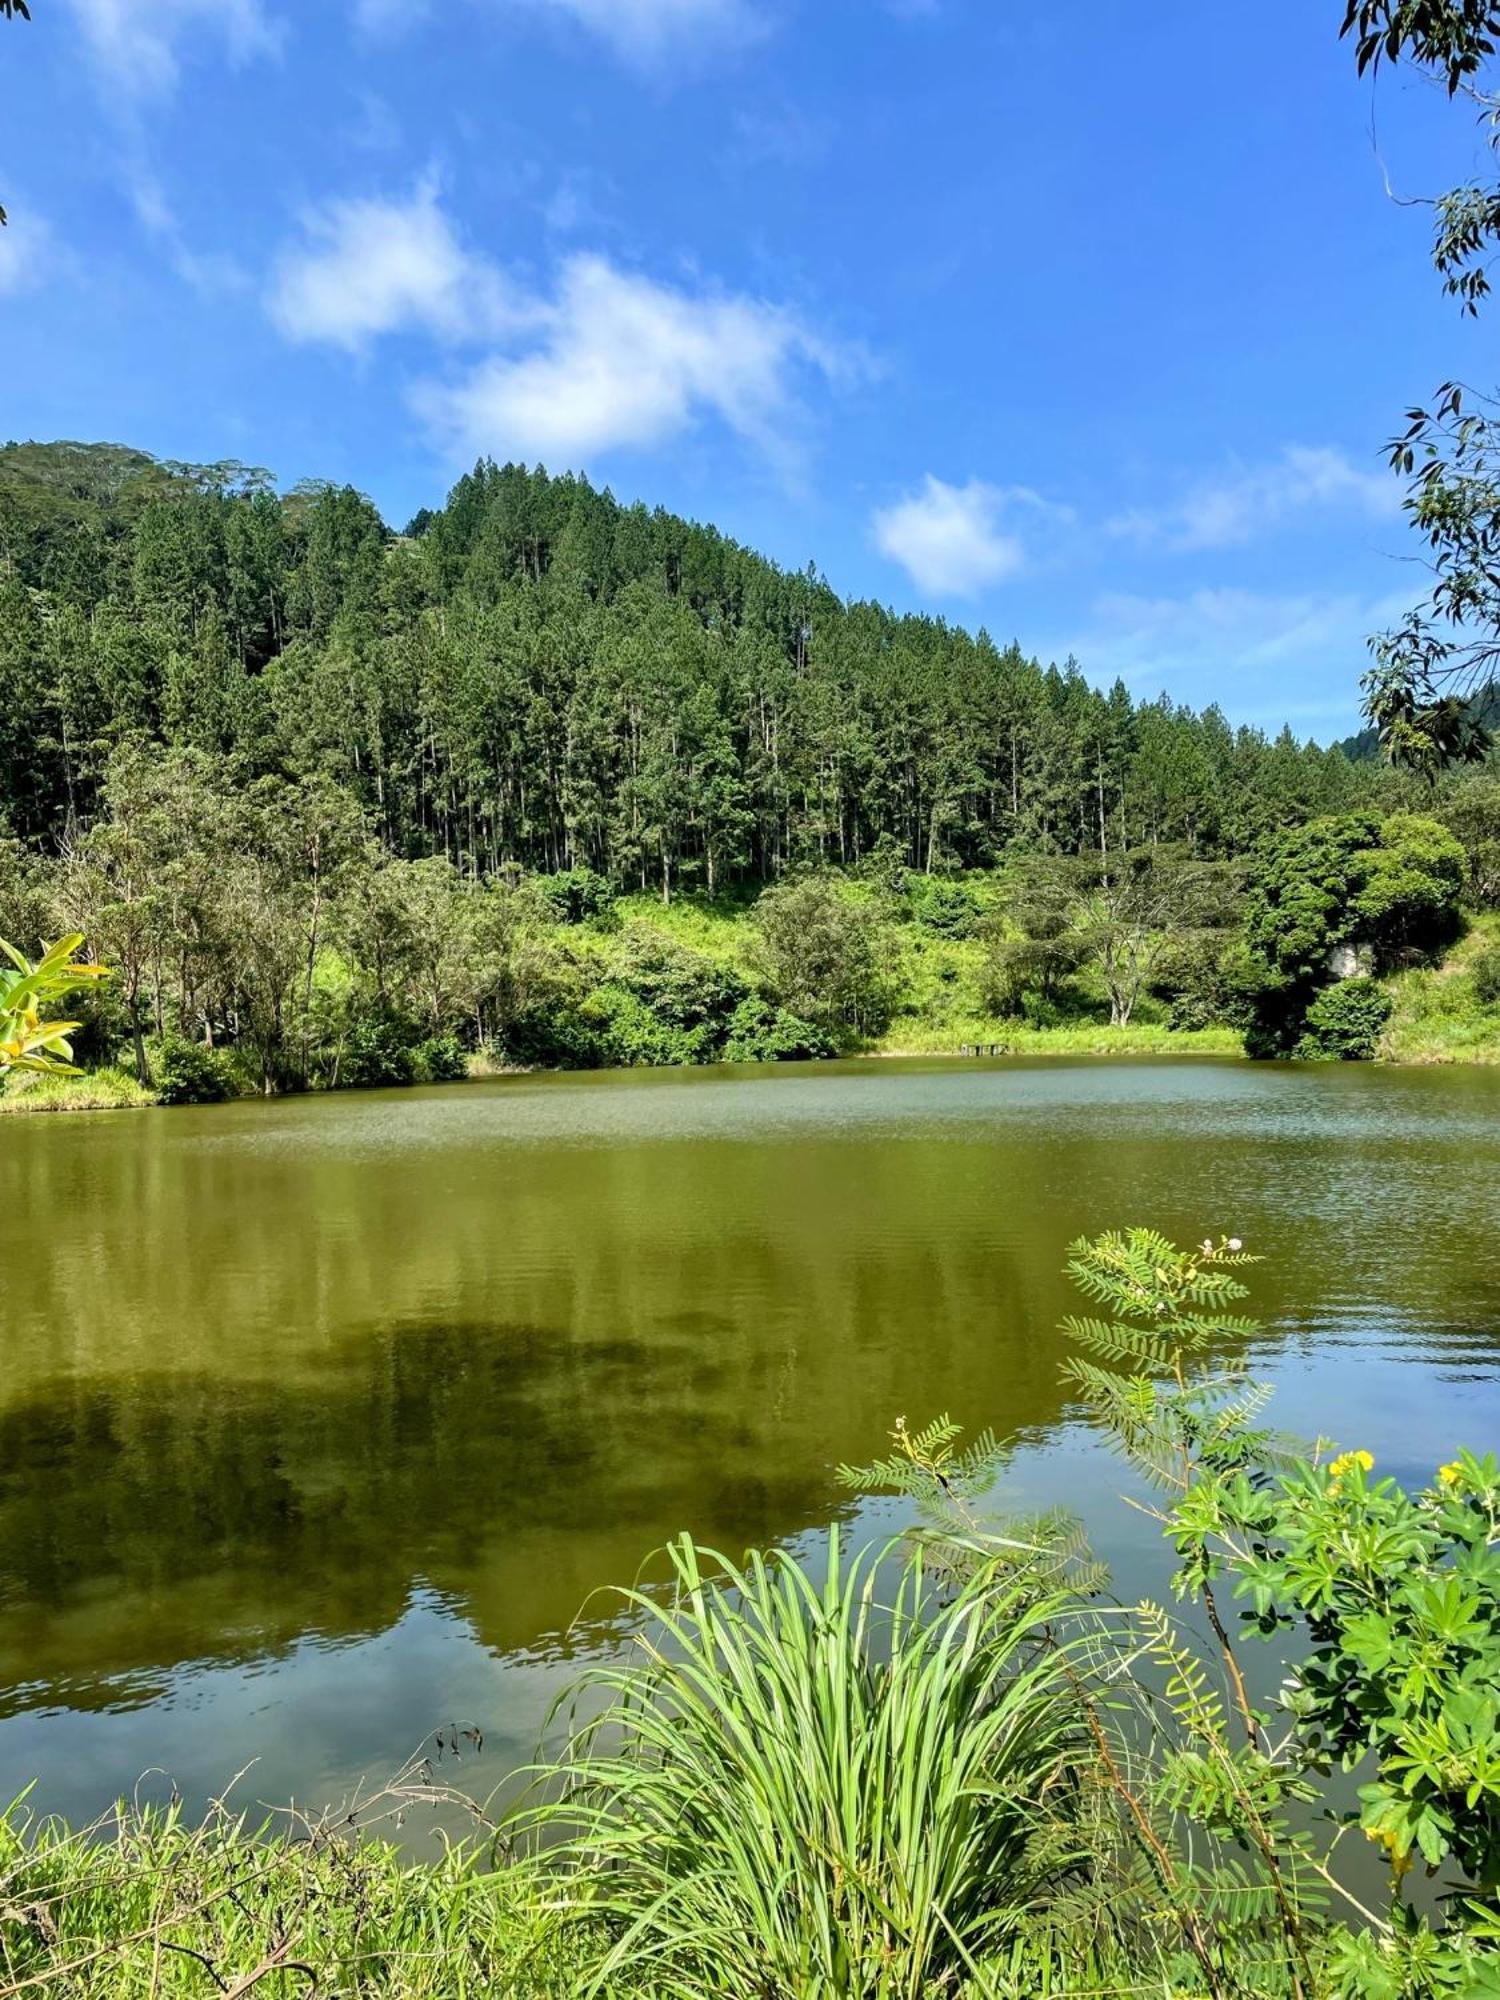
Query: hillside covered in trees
x,y
350,803
536,675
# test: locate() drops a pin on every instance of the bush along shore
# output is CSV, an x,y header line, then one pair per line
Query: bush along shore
x,y
946,1766
1345,937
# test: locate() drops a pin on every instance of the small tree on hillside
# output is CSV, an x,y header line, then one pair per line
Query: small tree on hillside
x,y
1132,914
825,956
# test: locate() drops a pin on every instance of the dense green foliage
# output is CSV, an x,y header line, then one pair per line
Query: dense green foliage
x,y
343,807
546,678
1430,693
1344,1022
1340,895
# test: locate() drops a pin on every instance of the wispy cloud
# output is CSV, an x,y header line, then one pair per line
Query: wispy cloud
x,y
620,360
212,274
383,20
781,133
1246,502
375,266
658,33
955,541
137,49
598,359
1233,642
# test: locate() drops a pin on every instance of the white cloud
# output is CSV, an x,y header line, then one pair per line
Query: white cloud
x,y
1250,501
134,44
597,359
955,540
375,266
625,361
658,31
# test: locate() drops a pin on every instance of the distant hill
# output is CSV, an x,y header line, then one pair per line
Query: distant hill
x,y
537,674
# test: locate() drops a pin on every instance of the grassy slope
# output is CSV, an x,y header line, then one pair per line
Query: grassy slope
x,y
938,979
100,1090
1438,1017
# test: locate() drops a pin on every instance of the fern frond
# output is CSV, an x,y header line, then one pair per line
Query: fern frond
x,y
1116,1342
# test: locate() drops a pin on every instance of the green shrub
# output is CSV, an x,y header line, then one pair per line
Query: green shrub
x,y
575,896
1344,1022
759,1032
950,908
189,1073
440,1059
629,1034
835,1784
560,1034
378,1053
1486,971
683,988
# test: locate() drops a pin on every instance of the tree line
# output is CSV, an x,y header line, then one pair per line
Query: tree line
x,y
536,675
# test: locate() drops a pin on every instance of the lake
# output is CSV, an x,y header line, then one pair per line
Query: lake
x,y
328,1422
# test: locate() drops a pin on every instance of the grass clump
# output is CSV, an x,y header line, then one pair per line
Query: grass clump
x,y
846,1784
910,1037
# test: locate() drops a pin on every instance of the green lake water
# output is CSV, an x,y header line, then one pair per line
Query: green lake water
x,y
326,1423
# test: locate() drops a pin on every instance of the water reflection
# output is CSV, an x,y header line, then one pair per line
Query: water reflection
x,y
320,1422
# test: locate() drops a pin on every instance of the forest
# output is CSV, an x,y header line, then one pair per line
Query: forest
x,y
568,781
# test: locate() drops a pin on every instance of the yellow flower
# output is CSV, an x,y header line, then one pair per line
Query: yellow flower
x,y
1451,1476
1347,1461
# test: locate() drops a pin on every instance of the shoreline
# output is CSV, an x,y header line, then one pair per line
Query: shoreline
x,y
1203,1044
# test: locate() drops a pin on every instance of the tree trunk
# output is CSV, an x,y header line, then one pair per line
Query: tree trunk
x,y
142,1067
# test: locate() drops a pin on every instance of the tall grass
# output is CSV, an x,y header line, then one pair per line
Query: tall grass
x,y
818,1786
1438,1015
146,1906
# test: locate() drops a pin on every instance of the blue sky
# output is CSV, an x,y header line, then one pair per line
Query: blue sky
x,y
1082,321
